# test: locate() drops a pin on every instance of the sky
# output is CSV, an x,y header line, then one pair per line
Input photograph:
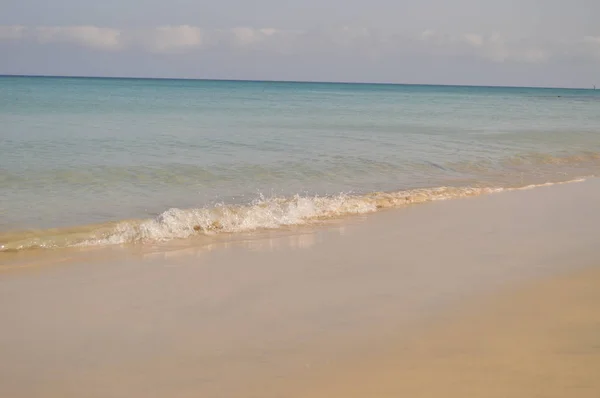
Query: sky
x,y
553,43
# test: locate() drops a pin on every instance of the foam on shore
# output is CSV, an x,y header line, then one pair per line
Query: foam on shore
x,y
263,213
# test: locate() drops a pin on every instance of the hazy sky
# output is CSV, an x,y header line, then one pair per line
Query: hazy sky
x,y
496,42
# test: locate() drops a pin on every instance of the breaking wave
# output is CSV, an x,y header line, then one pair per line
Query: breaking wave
x,y
264,213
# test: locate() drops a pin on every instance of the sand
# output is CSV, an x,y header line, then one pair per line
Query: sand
x,y
488,296
542,340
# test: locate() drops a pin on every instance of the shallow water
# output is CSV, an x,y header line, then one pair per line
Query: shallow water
x,y
210,156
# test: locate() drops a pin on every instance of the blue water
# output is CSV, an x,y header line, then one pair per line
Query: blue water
x,y
77,151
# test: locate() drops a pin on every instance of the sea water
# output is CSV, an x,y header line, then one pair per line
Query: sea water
x,y
88,161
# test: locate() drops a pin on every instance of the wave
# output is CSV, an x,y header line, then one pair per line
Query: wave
x,y
263,213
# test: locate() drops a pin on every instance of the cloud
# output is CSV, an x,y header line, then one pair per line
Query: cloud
x,y
356,41
495,48
245,39
247,36
165,39
498,49
11,32
89,36
474,39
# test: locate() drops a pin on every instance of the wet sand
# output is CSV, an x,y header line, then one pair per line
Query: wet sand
x,y
456,297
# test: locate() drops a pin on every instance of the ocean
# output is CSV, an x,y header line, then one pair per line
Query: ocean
x,y
103,161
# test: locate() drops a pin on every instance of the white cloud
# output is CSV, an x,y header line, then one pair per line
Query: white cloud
x,y
89,36
180,38
268,39
474,39
495,48
359,41
245,36
11,32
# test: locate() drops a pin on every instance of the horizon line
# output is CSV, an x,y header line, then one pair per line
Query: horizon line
x,y
285,81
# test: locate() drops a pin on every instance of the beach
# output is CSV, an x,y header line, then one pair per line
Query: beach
x,y
487,296
541,339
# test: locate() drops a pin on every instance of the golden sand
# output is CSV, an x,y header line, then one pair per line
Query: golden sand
x,y
540,341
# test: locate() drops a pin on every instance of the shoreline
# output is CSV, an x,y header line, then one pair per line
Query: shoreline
x,y
277,314
195,226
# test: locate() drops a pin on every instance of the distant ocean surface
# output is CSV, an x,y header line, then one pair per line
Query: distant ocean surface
x,y
90,161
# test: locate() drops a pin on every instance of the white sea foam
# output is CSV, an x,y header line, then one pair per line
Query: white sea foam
x,y
264,213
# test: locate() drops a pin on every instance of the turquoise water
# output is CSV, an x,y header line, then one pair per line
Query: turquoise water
x,y
81,151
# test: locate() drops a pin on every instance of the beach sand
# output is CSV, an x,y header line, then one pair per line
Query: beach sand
x,y
541,340
481,297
